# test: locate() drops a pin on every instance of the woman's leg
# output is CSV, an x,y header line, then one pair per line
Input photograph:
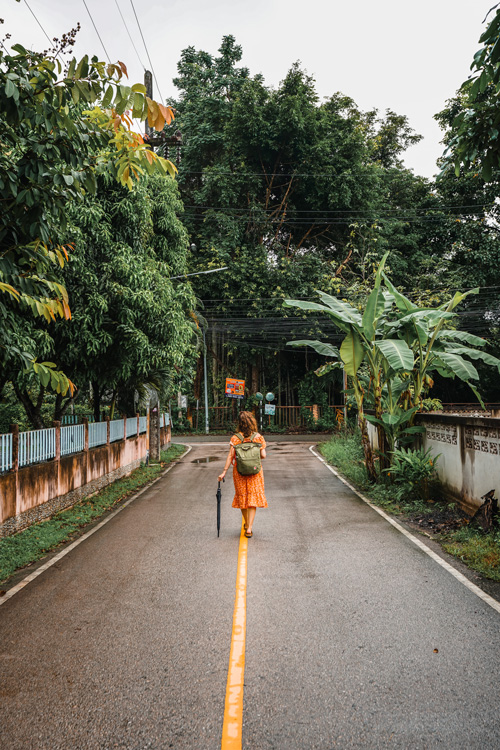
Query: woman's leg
x,y
250,518
244,512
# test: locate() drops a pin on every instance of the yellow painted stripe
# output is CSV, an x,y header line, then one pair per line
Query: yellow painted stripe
x,y
233,712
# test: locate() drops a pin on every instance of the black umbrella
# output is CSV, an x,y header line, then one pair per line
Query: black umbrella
x,y
218,496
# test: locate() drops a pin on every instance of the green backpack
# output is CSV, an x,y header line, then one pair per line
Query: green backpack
x,y
247,456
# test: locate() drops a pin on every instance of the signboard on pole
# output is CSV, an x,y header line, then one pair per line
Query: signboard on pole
x,y
270,409
235,388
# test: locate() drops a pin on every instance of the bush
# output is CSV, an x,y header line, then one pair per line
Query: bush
x,y
411,470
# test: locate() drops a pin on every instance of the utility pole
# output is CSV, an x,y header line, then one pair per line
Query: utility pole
x,y
148,82
206,386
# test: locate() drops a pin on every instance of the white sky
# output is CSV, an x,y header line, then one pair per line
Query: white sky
x,y
407,56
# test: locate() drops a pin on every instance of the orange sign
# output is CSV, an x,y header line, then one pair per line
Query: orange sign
x,y
235,388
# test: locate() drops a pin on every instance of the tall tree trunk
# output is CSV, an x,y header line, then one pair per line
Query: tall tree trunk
x,y
33,410
96,398
61,406
367,448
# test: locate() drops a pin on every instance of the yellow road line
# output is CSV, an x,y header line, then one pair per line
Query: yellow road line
x,y
233,712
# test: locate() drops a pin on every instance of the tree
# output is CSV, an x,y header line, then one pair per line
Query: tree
x,y
282,188
131,325
475,139
52,149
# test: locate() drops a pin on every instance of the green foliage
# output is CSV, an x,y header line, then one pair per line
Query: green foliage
x,y
477,550
30,545
474,139
391,352
277,186
52,151
412,469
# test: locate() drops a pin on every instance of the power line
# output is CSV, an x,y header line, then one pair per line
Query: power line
x,y
95,27
147,52
51,41
130,35
389,211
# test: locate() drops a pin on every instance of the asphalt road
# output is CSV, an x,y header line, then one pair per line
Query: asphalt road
x,y
355,637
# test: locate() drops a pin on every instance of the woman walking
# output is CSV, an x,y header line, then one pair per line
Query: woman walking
x,y
249,489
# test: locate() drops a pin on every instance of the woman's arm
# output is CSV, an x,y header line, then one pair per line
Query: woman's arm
x,y
229,459
262,452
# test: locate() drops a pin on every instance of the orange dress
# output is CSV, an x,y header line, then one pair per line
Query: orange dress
x,y
249,490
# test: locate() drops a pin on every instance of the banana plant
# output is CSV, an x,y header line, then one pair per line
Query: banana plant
x,y
366,344
390,352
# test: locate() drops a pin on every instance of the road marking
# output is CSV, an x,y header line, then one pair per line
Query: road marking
x,y
454,572
53,560
233,711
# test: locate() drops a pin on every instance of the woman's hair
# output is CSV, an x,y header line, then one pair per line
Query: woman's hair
x,y
246,423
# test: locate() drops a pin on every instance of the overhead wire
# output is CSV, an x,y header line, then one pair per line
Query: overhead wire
x,y
96,31
147,51
51,41
130,35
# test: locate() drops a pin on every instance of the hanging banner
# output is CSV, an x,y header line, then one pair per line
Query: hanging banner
x,y
235,388
270,409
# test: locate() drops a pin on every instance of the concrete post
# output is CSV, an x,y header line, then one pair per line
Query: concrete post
x,y
154,434
14,428
86,442
138,424
124,426
57,425
108,431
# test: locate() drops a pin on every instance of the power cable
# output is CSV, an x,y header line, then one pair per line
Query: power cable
x,y
96,31
147,52
51,41
129,35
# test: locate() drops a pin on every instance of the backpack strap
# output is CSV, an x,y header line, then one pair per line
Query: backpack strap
x,y
253,435
239,436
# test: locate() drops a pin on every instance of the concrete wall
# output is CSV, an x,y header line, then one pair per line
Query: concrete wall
x,y
469,462
36,492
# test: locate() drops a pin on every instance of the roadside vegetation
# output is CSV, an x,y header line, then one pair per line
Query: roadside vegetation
x,y
413,494
30,545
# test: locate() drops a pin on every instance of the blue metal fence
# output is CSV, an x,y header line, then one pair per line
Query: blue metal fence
x,y
98,434
72,439
36,446
116,430
5,452
131,426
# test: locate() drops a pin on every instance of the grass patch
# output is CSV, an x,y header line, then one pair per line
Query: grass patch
x,y
30,545
477,550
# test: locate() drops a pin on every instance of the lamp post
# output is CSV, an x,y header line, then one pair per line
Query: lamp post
x,y
260,399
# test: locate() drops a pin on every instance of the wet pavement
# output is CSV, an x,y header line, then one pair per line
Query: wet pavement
x,y
355,637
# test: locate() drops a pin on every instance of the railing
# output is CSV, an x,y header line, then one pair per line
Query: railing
x,y
72,439
98,434
5,452
292,416
131,426
116,430
36,446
